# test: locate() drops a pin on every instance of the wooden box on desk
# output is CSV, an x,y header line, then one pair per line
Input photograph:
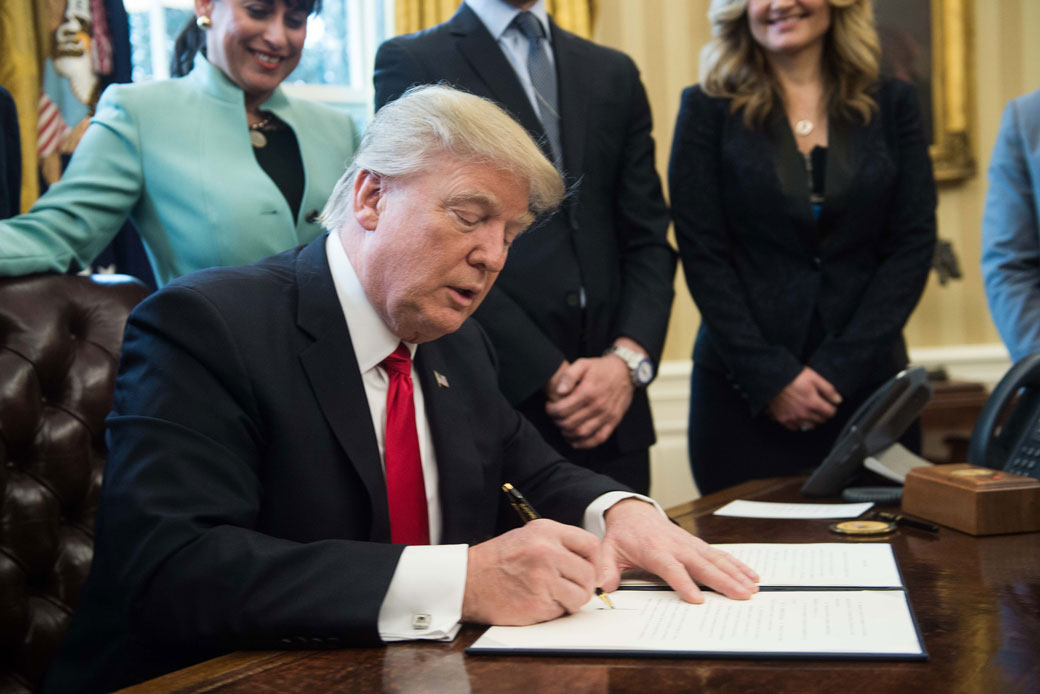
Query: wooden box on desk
x,y
975,500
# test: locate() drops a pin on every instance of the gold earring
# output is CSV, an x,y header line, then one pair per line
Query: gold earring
x,y
203,22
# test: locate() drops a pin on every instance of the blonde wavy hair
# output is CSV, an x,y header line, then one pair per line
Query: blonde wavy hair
x,y
734,66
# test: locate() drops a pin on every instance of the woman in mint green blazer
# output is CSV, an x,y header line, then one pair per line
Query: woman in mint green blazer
x,y
218,167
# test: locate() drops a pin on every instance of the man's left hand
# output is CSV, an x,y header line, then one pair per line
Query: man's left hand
x,y
591,396
639,536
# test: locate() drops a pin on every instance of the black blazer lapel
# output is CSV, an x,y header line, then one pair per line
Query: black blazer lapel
x,y
480,50
842,138
790,169
571,67
332,370
459,467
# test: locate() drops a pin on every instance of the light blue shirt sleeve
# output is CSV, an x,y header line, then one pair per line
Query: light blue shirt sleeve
x,y
1010,230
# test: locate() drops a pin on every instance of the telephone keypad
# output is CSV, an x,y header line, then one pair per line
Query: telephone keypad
x,y
1026,460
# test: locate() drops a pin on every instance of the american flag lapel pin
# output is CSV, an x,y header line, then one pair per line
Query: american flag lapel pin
x,y
441,379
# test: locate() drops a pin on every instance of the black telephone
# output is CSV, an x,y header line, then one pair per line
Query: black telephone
x,y
1013,446
876,425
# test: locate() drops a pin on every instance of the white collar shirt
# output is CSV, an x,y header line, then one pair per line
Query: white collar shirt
x,y
373,342
429,582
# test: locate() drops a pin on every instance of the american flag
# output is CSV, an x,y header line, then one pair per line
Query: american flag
x,y
50,127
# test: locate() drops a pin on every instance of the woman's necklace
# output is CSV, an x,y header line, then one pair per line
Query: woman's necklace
x,y
256,135
804,127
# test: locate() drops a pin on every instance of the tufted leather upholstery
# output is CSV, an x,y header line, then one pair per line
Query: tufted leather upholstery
x,y
59,346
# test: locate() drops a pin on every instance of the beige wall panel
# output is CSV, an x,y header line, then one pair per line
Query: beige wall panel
x,y
1006,62
1031,47
669,34
664,37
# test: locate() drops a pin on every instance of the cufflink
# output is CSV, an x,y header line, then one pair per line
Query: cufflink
x,y
421,621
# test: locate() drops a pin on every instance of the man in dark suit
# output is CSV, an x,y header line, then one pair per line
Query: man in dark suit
x,y
275,481
595,282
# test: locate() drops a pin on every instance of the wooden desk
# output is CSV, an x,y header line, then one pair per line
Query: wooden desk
x,y
977,601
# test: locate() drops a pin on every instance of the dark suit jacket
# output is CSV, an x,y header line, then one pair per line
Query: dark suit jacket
x,y
610,236
759,267
244,503
10,157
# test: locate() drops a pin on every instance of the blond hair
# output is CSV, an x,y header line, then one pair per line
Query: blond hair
x,y
734,66
428,121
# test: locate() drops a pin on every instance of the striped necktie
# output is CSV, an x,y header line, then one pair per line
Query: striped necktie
x,y
543,79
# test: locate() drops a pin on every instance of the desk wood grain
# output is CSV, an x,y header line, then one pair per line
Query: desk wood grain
x,y
977,601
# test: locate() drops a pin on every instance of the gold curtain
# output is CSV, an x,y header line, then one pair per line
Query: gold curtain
x,y
576,16
24,40
414,15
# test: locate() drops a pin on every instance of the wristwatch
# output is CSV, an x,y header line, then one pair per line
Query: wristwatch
x,y
640,368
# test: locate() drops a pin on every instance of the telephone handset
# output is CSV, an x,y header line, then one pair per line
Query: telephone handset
x,y
873,428
1013,446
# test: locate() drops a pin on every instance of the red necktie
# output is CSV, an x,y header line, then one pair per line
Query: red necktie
x,y
405,491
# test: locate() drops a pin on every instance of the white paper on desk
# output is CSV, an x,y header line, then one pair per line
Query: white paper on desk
x,y
832,564
865,623
810,565
771,509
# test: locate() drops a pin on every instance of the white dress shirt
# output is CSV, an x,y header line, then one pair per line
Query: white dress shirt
x,y
497,16
424,600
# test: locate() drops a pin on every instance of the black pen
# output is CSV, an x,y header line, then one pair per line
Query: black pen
x,y
900,519
527,513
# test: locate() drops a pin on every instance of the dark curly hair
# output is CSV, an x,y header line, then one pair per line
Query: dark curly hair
x,y
192,39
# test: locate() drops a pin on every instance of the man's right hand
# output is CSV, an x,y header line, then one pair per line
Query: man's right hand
x,y
530,575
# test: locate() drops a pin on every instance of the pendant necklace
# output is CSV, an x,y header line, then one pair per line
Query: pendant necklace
x,y
256,135
804,127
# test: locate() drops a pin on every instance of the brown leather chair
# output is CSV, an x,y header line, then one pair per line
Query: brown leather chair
x,y
60,337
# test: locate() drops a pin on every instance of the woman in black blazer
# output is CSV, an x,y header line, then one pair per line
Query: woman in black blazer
x,y
804,209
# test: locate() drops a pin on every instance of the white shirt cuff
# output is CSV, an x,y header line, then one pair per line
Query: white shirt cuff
x,y
424,600
594,520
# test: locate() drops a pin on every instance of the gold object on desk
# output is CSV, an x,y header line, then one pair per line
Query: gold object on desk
x,y
862,527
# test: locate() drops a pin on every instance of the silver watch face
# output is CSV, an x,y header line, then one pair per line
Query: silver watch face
x,y
644,372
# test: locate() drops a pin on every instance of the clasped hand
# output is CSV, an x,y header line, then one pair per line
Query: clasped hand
x,y
546,569
808,400
587,398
